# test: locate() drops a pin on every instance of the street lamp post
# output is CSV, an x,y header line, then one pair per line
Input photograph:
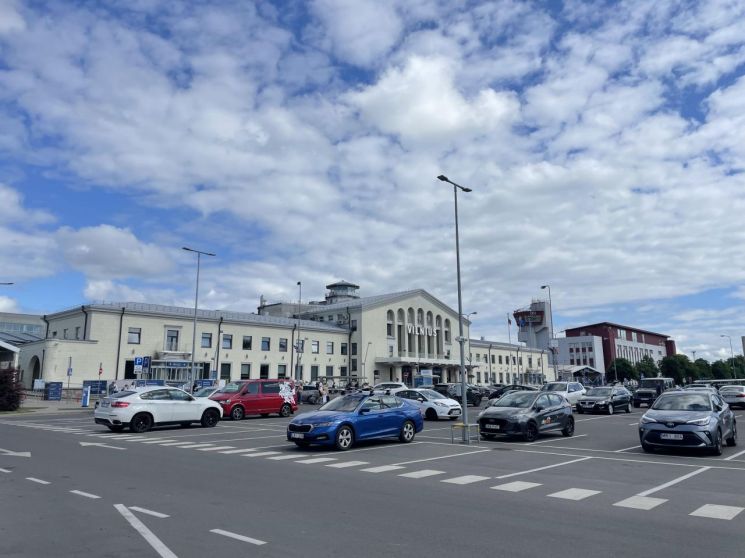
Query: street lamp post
x,y
732,353
461,340
199,254
470,357
551,314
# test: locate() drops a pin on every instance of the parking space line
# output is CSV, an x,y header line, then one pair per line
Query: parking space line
x,y
626,449
260,454
672,482
731,457
556,439
238,537
194,446
38,481
159,441
544,468
466,479
317,460
574,494
516,486
346,464
441,457
85,494
640,503
162,550
381,469
231,452
287,457
714,511
5,470
216,448
421,474
175,444
149,512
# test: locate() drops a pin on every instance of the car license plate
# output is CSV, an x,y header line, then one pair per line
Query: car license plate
x,y
492,426
299,435
456,411
665,436
104,403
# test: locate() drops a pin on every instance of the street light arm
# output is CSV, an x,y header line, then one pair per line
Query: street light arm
x,y
446,179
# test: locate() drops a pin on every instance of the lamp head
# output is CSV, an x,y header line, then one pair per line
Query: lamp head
x,y
544,286
443,178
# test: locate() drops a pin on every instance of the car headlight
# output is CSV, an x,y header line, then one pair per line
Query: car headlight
x,y
225,402
605,402
646,420
321,424
700,422
440,403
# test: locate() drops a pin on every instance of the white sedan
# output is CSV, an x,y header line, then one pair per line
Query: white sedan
x,y
433,405
144,408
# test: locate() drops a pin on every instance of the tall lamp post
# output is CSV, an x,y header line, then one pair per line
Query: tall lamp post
x,y
550,341
199,254
732,353
470,357
461,340
298,371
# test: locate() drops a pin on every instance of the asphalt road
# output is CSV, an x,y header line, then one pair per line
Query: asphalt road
x,y
240,489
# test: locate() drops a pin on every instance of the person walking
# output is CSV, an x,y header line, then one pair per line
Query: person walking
x,y
299,392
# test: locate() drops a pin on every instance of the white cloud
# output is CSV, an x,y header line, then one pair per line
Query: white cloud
x,y
10,18
8,304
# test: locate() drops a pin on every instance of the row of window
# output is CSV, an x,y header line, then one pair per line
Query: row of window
x,y
66,333
506,360
226,369
585,361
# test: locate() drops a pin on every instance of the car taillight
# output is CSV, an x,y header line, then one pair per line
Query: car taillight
x,y
741,395
120,404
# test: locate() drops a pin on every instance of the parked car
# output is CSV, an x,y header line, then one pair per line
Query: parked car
x,y
205,392
572,391
650,389
734,396
527,414
144,408
310,394
256,397
499,392
453,391
607,399
388,388
688,419
433,405
347,419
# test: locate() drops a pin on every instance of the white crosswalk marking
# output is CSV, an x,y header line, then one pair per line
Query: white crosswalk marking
x,y
176,444
260,454
345,464
136,439
714,511
517,486
421,474
466,479
231,452
382,469
285,457
160,441
216,448
640,502
574,494
193,446
317,460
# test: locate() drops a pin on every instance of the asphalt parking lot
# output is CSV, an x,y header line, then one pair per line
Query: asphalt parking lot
x,y
241,487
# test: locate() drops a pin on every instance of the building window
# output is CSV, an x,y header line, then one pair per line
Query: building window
x,y
77,332
500,362
264,372
329,347
265,344
331,318
225,371
206,340
592,362
227,341
313,373
245,371
300,346
329,371
54,335
389,329
501,378
134,335
171,340
354,348
64,333
282,371
530,362
354,364
282,344
344,348
315,347
247,342
343,370
353,324
478,377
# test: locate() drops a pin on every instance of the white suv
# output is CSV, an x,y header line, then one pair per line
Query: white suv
x,y
155,406
389,388
572,391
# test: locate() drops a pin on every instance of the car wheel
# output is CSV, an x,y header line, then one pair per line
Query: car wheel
x,y
717,449
610,408
237,413
647,448
344,438
579,410
285,411
301,444
408,431
732,440
115,427
210,418
531,432
628,407
141,422
568,430
431,414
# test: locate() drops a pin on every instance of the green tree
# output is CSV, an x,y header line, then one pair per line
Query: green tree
x,y
720,370
11,390
677,367
646,366
619,369
703,368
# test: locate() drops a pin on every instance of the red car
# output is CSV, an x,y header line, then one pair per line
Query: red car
x,y
257,397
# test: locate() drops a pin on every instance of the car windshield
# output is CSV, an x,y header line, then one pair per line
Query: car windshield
x,y
204,392
346,404
558,386
599,392
683,402
731,388
232,387
431,394
119,394
521,399
649,384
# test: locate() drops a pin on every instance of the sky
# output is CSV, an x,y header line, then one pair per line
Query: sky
x,y
301,141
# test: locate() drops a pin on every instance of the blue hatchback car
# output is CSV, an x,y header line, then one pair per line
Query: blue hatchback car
x,y
344,420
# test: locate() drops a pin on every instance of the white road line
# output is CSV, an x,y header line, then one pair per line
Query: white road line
x,y
159,441
137,439
381,469
149,512
441,457
287,457
216,448
556,439
672,482
574,494
714,511
516,486
640,503
193,446
466,479
422,474
260,454
39,481
317,460
5,470
176,444
731,457
238,537
627,449
238,451
593,418
85,494
544,468
146,533
346,464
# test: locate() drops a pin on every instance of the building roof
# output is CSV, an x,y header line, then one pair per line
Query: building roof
x,y
367,302
18,339
485,344
342,283
611,324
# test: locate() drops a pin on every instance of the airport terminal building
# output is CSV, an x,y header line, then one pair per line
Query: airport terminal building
x,y
398,336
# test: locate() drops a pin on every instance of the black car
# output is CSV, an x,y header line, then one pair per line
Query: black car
x,y
527,414
499,392
453,391
650,389
607,399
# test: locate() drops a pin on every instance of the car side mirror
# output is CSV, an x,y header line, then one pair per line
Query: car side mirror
x,y
364,410
420,399
538,408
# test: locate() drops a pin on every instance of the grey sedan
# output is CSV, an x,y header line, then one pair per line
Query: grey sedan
x,y
690,419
